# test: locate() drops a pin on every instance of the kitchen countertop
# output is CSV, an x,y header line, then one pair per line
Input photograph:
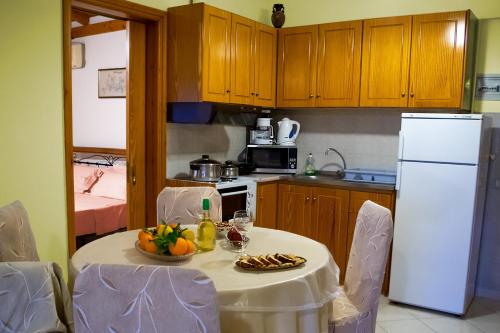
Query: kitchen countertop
x,y
320,180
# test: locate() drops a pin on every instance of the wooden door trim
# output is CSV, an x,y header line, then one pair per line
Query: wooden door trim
x,y
98,28
156,33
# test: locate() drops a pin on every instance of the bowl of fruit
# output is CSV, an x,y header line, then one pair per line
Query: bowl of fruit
x,y
167,242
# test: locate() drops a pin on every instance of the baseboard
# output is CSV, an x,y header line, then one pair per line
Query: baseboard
x,y
488,293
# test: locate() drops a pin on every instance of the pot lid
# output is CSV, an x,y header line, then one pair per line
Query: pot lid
x,y
205,160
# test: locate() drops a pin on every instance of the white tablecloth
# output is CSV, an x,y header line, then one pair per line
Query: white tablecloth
x,y
293,300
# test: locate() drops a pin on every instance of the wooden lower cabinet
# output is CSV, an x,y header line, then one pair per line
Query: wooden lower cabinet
x,y
294,210
325,214
267,205
319,213
329,216
356,200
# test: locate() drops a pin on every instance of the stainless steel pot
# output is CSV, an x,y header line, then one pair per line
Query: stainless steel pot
x,y
230,170
205,169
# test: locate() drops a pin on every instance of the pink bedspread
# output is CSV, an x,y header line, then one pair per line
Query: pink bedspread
x,y
98,215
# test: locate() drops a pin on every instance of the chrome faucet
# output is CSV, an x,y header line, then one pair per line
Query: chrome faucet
x,y
342,171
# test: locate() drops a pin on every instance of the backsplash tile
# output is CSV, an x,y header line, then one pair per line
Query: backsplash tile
x,y
366,138
186,142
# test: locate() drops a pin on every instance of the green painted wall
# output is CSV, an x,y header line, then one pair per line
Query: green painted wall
x,y
488,58
31,119
299,12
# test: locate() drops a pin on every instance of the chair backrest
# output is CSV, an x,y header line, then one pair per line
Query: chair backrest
x,y
129,298
34,298
16,238
183,204
368,257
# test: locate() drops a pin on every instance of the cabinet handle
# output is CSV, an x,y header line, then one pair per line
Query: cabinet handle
x,y
253,94
311,96
411,94
256,94
307,198
403,94
261,198
228,91
314,199
318,96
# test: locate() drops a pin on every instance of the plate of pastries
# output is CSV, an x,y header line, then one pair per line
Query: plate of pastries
x,y
269,262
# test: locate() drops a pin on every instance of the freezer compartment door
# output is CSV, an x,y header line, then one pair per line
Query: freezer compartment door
x,y
432,235
440,140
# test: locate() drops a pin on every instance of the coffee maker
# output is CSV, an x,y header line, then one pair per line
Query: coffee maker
x,y
263,134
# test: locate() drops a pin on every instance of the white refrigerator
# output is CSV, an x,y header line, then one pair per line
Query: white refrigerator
x,y
441,179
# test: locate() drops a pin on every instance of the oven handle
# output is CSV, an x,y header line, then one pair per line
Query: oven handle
x,y
233,193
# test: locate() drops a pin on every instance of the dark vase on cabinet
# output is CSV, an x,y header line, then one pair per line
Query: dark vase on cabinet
x,y
278,17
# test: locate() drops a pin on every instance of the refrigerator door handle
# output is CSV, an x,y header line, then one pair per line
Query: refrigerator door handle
x,y
398,176
401,145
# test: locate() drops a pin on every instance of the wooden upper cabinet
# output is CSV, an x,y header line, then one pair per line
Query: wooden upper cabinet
x,y
266,40
385,62
329,218
216,54
297,62
339,64
437,60
242,62
267,205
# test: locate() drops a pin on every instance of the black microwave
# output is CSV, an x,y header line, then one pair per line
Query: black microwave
x,y
273,158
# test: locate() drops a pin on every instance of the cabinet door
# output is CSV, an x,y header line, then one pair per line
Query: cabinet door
x,y
216,54
242,63
297,55
266,40
267,205
356,200
385,62
294,211
329,217
437,60
339,64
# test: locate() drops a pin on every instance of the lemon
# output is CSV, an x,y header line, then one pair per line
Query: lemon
x,y
188,234
164,230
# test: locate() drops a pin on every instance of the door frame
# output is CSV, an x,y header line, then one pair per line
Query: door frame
x,y
156,97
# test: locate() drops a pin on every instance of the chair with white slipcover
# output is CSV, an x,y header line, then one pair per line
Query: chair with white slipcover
x,y
33,294
184,204
130,298
355,310
16,238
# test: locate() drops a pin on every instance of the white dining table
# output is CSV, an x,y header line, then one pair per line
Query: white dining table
x,y
296,300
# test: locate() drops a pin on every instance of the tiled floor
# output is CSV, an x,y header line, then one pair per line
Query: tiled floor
x,y
483,317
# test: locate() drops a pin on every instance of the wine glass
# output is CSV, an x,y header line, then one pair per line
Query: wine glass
x,y
243,223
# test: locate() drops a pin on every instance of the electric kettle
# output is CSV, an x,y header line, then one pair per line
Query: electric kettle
x,y
288,132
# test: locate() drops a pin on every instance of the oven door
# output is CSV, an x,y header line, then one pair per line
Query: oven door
x,y
273,159
233,199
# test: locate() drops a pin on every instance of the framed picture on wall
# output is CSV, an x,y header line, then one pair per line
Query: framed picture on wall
x,y
112,82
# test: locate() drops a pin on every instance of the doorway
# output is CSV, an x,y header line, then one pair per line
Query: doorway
x,y
145,105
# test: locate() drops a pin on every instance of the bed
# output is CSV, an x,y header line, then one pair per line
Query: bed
x,y
100,200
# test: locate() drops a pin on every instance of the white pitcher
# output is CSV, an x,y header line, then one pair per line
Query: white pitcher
x,y
288,132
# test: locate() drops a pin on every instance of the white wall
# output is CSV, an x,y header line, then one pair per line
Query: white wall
x,y
99,122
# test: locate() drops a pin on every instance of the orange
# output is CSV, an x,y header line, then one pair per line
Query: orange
x,y
179,248
190,246
150,246
145,238
141,234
